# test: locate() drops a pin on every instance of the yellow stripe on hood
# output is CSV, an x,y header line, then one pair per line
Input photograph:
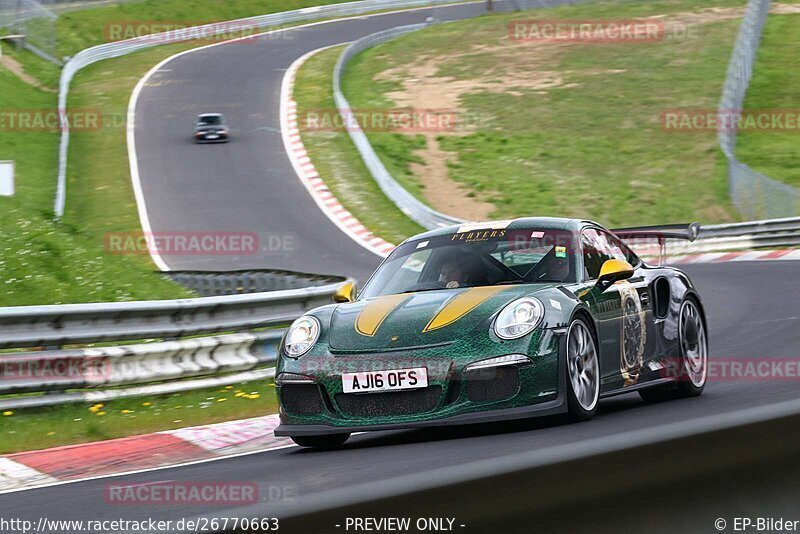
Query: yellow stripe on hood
x,y
460,305
374,313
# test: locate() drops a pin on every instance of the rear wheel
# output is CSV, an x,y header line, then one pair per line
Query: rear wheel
x,y
583,371
321,442
693,363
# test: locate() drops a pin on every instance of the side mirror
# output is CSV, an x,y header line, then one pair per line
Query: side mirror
x,y
345,292
613,271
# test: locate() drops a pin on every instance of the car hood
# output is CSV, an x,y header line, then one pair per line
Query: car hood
x,y
418,319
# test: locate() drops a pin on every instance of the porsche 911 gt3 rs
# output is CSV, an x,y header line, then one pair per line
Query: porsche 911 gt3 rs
x,y
493,321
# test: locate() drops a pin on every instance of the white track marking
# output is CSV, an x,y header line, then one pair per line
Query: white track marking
x,y
147,470
233,436
15,476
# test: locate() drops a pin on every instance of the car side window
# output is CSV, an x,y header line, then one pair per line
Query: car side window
x,y
620,250
596,251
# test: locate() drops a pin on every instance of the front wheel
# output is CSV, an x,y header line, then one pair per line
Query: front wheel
x,y
321,442
583,371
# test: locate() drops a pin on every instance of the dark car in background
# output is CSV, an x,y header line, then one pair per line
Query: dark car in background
x,y
211,128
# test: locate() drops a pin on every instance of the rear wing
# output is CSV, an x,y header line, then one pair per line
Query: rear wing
x,y
638,235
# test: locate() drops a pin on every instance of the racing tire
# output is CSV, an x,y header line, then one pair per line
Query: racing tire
x,y
693,370
330,441
583,371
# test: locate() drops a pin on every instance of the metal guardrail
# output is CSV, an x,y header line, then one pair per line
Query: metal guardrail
x,y
210,284
94,54
766,234
754,194
37,326
75,375
744,236
416,210
225,359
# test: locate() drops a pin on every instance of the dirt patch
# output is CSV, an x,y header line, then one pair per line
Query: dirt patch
x,y
440,191
13,66
421,88
510,72
784,9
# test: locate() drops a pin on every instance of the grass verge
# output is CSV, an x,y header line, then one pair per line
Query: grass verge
x,y
565,129
42,428
774,87
76,30
48,263
43,262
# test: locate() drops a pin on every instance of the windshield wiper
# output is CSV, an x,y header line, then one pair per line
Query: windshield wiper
x,y
422,290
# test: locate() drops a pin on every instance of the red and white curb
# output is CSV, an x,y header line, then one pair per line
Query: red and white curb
x,y
305,170
139,453
741,255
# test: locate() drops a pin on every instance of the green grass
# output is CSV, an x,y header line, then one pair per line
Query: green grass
x,y
593,149
774,86
80,29
51,263
45,262
77,30
337,160
41,428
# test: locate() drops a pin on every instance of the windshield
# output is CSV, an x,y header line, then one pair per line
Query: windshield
x,y
210,120
477,258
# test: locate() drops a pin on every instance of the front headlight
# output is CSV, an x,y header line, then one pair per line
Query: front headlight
x,y
518,318
302,335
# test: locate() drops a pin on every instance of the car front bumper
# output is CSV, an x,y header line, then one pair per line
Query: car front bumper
x,y
454,396
221,138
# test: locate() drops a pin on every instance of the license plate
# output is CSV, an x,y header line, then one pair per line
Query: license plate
x,y
397,380
212,136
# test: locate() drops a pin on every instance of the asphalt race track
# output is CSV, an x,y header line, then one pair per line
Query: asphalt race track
x,y
249,185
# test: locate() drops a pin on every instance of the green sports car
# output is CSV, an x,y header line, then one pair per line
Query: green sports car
x,y
493,321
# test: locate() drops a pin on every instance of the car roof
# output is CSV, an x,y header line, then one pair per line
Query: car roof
x,y
521,223
209,115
